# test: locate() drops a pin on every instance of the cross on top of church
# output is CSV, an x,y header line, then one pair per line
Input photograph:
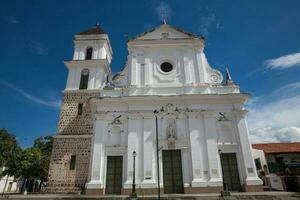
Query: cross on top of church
x,y
164,14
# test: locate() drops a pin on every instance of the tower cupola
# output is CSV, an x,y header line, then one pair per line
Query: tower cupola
x,y
90,67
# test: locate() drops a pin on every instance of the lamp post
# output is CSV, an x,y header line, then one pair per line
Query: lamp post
x,y
133,194
157,154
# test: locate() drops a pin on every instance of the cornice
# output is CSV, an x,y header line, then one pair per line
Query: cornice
x,y
91,63
158,99
240,113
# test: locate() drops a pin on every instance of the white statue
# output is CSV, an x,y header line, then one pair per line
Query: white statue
x,y
171,130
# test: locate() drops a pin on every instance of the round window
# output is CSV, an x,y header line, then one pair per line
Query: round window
x,y
166,67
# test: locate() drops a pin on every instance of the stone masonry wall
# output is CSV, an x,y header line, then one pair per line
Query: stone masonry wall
x,y
61,179
74,138
70,123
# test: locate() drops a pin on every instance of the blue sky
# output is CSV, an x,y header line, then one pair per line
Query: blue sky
x,y
257,40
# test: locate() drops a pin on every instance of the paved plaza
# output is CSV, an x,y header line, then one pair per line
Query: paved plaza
x,y
215,196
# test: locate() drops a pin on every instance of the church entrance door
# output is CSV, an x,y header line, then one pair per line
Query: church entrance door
x,y
230,171
114,175
172,171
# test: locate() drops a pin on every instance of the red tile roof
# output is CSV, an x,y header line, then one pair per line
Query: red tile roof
x,y
92,31
278,147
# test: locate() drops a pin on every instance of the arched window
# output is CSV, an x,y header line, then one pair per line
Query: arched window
x,y
89,53
84,79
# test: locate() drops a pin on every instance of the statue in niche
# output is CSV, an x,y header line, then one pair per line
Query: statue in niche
x,y
171,130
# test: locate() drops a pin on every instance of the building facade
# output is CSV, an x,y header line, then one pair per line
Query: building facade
x,y
8,184
167,88
279,163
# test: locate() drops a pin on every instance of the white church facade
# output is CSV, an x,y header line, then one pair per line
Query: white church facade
x,y
167,88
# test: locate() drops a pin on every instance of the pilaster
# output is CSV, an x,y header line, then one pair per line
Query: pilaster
x,y
149,180
251,173
197,149
97,158
212,149
132,145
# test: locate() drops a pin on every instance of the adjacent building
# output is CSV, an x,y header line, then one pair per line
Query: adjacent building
x,y
167,88
280,163
8,184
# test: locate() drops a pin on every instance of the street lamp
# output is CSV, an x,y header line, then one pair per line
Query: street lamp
x,y
133,194
157,152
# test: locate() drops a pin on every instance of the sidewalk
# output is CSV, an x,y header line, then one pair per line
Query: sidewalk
x,y
212,196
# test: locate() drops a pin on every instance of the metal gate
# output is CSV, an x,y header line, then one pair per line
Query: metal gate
x,y
230,171
172,171
114,175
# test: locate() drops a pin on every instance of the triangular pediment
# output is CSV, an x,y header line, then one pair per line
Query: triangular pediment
x,y
165,31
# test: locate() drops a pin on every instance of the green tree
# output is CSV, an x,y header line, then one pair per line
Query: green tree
x,y
33,162
9,151
41,152
9,147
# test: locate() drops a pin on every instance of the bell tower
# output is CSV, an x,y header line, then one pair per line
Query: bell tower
x,y
90,67
89,70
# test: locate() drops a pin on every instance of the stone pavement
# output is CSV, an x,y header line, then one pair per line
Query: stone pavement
x,y
234,196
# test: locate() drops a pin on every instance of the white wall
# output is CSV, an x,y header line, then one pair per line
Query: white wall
x,y
100,44
199,135
9,181
97,77
261,155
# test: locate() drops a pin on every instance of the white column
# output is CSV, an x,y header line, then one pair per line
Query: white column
x,y
186,162
76,54
149,152
147,73
133,72
250,169
132,145
200,65
140,151
70,81
212,149
96,163
180,63
182,134
196,136
188,75
91,81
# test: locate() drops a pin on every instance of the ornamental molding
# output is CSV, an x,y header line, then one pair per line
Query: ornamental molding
x,y
240,113
115,151
193,114
216,76
133,116
210,113
174,144
147,115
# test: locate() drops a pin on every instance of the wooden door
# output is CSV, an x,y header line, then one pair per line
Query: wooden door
x,y
114,175
230,171
172,171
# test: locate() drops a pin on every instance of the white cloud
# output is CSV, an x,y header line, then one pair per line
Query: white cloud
x,y
50,103
291,86
11,19
206,22
164,11
269,135
276,121
283,62
38,48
